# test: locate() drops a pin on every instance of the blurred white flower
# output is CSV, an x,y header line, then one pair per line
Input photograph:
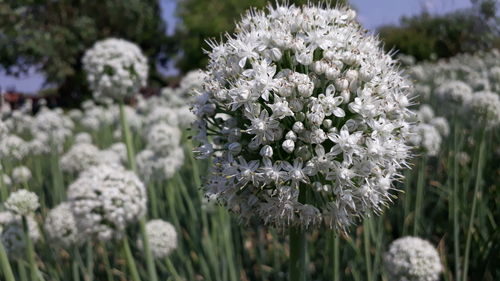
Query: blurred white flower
x,y
60,226
21,174
162,238
115,68
485,108
22,202
105,199
412,259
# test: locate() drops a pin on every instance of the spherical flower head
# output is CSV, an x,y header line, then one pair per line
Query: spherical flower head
x,y
12,146
22,202
7,181
152,166
454,93
485,109
301,100
441,124
412,259
105,199
83,137
12,233
163,138
427,138
162,238
21,174
60,226
79,157
115,69
54,125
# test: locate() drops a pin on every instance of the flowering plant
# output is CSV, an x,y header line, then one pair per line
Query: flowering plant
x,y
305,117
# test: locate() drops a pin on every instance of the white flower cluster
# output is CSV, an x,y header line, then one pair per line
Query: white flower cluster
x,y
13,147
52,128
485,108
21,174
82,156
163,155
60,226
305,117
22,202
429,131
115,68
465,87
412,259
12,234
105,199
162,238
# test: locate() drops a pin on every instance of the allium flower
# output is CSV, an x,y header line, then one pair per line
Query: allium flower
x,y
6,180
79,157
12,233
54,125
22,202
75,115
12,146
83,138
302,99
105,199
454,93
152,166
162,238
412,259
485,107
163,138
21,174
115,68
427,137
441,124
60,226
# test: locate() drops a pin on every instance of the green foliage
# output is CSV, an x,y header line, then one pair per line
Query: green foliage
x,y
428,36
51,36
204,19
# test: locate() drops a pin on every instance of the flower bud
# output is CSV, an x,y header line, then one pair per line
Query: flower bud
x,y
288,146
266,151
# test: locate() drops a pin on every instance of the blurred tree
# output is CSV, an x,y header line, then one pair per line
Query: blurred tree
x,y
51,37
426,36
204,19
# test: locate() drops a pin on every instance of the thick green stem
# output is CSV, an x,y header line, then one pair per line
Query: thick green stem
x,y
150,262
336,257
127,137
6,269
298,248
477,186
368,259
30,252
130,260
420,196
455,207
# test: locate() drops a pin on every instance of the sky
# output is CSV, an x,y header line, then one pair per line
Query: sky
x,y
371,13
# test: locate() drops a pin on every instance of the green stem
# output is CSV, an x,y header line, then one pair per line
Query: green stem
x,y
420,195
298,248
336,257
4,260
366,237
127,138
3,188
30,251
477,186
150,262
455,207
89,267
130,260
172,269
